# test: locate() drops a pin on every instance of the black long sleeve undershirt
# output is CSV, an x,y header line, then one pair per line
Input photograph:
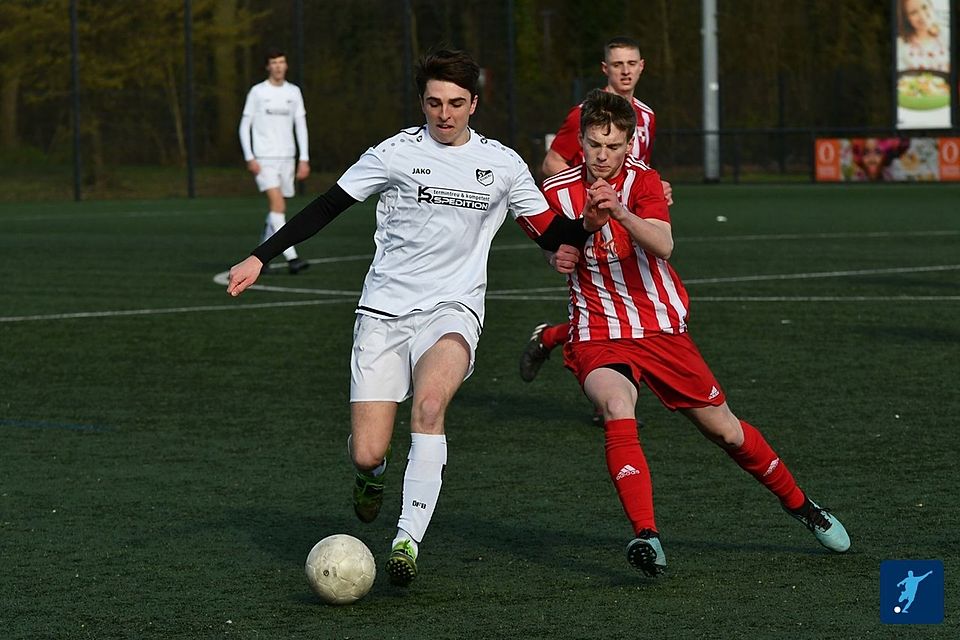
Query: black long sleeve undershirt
x,y
563,230
306,223
321,212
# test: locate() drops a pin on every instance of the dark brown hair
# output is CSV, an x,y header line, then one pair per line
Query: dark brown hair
x,y
451,66
605,109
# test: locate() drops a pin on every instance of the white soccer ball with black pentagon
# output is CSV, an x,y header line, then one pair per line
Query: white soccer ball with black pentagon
x,y
340,569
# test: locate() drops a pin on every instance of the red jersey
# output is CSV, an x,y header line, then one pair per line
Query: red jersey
x,y
567,142
618,289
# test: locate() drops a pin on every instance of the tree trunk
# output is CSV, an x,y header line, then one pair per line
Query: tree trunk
x,y
9,97
174,99
94,168
225,85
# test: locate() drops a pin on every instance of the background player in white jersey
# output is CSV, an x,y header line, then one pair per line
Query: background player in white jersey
x,y
274,112
444,190
628,312
622,65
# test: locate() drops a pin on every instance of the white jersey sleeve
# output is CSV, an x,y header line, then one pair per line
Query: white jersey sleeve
x,y
300,128
246,121
367,176
526,199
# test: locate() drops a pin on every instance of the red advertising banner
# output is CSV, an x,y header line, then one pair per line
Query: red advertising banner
x,y
887,159
949,159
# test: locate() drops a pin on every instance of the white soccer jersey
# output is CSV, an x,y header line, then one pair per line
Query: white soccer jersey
x,y
440,207
272,112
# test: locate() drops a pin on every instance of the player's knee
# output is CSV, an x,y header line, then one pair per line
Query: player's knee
x,y
369,456
428,411
726,433
617,407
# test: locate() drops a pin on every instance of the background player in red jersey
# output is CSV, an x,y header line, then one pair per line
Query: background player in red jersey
x,y
628,319
622,65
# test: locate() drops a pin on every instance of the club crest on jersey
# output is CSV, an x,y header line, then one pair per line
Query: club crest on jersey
x,y
610,251
485,177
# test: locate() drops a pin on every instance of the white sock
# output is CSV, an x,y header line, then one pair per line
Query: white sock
x,y
403,535
421,482
274,223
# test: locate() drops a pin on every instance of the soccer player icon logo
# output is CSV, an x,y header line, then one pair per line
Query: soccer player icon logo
x,y
909,584
903,599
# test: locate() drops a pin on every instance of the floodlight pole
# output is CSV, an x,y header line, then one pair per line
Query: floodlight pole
x,y
711,94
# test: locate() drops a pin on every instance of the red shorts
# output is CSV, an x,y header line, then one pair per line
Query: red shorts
x,y
669,364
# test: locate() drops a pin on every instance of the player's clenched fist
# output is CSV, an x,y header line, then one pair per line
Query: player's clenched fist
x,y
565,259
243,274
603,196
594,217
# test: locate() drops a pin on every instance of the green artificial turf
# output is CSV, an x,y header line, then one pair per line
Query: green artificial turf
x,y
169,455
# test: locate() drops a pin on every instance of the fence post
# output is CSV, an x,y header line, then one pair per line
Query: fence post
x,y
75,90
188,81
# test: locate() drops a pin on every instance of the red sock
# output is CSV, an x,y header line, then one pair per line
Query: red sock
x,y
757,458
629,472
555,335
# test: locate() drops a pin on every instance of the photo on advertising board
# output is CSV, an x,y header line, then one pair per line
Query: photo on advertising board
x,y
887,159
923,64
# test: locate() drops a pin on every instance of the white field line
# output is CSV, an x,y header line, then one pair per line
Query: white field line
x,y
154,312
542,293
75,216
522,298
552,293
840,235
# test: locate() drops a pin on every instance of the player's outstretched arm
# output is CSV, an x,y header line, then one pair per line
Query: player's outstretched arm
x,y
243,274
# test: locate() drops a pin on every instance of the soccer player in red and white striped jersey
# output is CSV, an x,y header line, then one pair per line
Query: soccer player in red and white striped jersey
x,y
622,65
613,298
628,310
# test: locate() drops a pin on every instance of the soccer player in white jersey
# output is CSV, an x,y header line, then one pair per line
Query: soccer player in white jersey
x,y
272,115
622,65
444,190
628,311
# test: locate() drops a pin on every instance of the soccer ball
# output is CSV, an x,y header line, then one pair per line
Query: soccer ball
x,y
340,569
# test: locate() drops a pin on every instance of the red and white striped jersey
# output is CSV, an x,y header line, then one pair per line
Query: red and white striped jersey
x,y
618,289
567,141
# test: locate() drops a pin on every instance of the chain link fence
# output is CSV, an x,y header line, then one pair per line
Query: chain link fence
x,y
161,85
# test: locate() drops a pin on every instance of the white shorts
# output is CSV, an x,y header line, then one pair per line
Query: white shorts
x,y
386,350
276,173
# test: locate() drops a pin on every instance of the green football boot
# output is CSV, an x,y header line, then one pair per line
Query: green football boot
x,y
402,564
368,493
